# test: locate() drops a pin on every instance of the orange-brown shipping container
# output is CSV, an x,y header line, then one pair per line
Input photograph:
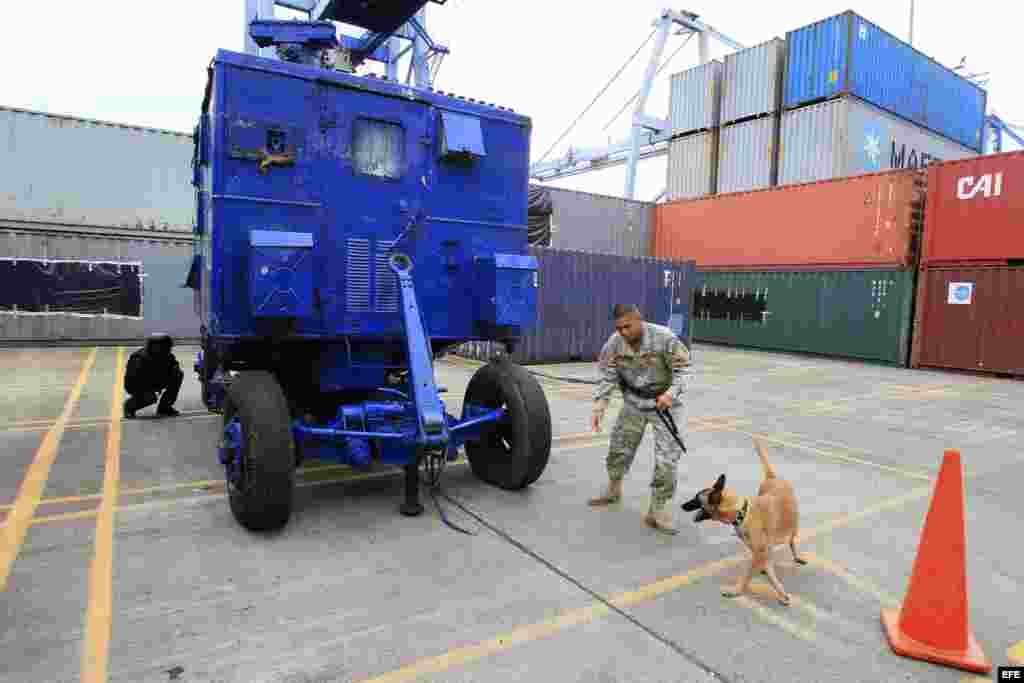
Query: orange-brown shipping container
x,y
969,318
868,220
975,210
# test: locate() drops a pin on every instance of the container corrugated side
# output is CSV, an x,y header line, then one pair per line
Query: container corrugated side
x,y
970,318
975,210
692,165
847,54
598,223
747,155
80,172
871,219
752,81
695,98
166,305
575,298
862,314
848,137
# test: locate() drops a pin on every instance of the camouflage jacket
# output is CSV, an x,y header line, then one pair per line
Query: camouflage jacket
x,y
661,363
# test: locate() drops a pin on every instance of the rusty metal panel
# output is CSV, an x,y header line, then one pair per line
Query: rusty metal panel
x,y
848,137
606,225
975,210
695,98
747,155
752,81
866,220
970,318
693,166
166,305
72,171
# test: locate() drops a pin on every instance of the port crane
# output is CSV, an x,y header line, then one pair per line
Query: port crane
x,y
649,135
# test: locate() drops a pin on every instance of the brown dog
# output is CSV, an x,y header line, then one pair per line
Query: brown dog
x,y
768,520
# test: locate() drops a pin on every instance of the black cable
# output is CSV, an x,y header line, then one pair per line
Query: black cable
x,y
617,74
658,72
574,380
692,658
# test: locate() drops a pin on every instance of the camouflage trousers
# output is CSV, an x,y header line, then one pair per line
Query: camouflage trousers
x,y
625,439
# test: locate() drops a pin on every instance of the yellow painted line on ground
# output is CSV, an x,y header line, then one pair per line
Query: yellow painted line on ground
x,y
837,456
531,632
1016,653
91,423
575,442
207,483
858,582
98,615
64,517
168,488
774,618
31,490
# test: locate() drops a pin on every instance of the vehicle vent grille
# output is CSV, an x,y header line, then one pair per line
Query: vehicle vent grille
x,y
385,281
357,276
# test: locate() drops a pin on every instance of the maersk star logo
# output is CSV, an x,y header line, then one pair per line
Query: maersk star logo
x,y
872,150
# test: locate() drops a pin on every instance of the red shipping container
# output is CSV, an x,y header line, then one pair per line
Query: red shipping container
x,y
975,210
867,220
969,318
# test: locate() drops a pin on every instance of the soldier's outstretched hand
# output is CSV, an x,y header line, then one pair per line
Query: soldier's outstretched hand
x,y
596,420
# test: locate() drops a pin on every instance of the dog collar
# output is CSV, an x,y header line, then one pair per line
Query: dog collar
x,y
741,515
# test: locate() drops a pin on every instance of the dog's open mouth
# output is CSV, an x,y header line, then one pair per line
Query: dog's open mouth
x,y
695,504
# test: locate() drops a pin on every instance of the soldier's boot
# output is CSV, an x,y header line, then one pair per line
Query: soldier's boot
x,y
612,494
660,518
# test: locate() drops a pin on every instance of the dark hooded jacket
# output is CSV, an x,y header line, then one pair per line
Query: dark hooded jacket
x,y
151,367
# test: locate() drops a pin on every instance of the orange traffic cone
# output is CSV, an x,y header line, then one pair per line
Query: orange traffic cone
x,y
932,623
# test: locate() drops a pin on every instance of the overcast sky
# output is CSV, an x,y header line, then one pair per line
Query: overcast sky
x,y
143,62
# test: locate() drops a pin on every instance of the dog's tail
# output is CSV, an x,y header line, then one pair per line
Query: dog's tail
x,y
762,452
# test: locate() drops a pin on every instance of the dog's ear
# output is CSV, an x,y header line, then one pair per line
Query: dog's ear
x,y
715,497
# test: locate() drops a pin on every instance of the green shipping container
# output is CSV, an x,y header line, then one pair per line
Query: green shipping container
x,y
862,314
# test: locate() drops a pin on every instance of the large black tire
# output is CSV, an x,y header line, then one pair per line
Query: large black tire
x,y
263,502
513,453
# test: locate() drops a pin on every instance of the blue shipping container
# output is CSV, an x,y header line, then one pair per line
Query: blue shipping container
x,y
848,55
576,293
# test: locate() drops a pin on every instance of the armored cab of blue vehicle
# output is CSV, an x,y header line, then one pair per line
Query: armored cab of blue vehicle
x,y
349,230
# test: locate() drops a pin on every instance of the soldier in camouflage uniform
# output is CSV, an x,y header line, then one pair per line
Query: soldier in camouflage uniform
x,y
651,366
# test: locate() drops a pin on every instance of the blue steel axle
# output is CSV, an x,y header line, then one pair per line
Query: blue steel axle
x,y
340,442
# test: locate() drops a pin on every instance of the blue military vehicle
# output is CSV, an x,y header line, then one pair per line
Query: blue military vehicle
x,y
350,230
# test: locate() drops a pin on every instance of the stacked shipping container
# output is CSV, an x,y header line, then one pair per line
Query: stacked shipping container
x,y
970,298
859,100
820,267
61,170
751,103
842,97
583,221
839,116
91,205
695,109
577,291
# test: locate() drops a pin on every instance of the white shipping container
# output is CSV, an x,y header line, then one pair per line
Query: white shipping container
x,y
747,155
692,165
71,171
695,98
752,81
848,137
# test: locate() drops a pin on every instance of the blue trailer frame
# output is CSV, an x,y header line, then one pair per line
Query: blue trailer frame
x,y
349,231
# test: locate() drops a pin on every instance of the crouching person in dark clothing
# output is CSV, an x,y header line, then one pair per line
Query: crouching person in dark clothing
x,y
150,370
